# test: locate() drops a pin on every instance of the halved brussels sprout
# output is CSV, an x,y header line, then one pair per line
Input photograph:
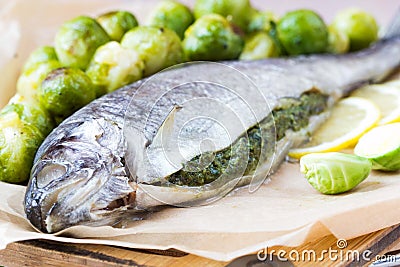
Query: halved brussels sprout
x,y
259,45
113,66
334,172
158,47
77,40
381,146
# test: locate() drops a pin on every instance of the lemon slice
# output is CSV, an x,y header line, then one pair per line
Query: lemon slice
x,y
350,118
381,146
386,96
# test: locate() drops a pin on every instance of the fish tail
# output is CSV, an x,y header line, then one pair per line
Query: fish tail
x,y
393,29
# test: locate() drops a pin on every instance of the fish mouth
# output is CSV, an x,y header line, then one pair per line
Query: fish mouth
x,y
57,220
36,195
60,196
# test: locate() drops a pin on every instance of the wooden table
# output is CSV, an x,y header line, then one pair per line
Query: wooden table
x,y
50,253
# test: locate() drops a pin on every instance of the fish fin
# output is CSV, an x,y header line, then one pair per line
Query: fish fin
x,y
165,131
393,29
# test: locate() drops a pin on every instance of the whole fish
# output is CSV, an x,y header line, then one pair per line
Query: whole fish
x,y
189,135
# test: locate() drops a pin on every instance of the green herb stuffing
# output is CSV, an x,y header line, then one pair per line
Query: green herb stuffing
x,y
291,114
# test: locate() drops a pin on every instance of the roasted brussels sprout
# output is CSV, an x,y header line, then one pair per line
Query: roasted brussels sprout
x,y
31,78
238,12
77,40
338,41
273,32
360,27
113,66
158,47
334,172
64,91
40,55
117,23
261,21
303,32
258,46
211,37
18,144
30,112
173,15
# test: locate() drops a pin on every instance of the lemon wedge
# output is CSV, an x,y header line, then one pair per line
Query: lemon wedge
x,y
350,118
381,146
386,96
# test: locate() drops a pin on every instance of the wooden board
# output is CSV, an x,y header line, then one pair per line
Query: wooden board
x,y
50,253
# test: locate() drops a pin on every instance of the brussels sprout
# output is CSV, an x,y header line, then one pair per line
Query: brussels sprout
x,y
77,40
40,55
359,26
303,32
265,21
273,32
30,112
117,23
381,146
334,172
32,77
261,21
173,15
211,37
258,46
113,66
338,41
18,144
158,47
64,91
238,12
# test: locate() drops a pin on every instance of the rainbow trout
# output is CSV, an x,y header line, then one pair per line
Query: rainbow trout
x,y
189,135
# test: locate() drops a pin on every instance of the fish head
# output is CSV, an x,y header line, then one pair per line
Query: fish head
x,y
78,181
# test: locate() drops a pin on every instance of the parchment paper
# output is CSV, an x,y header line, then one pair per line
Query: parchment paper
x,y
285,211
